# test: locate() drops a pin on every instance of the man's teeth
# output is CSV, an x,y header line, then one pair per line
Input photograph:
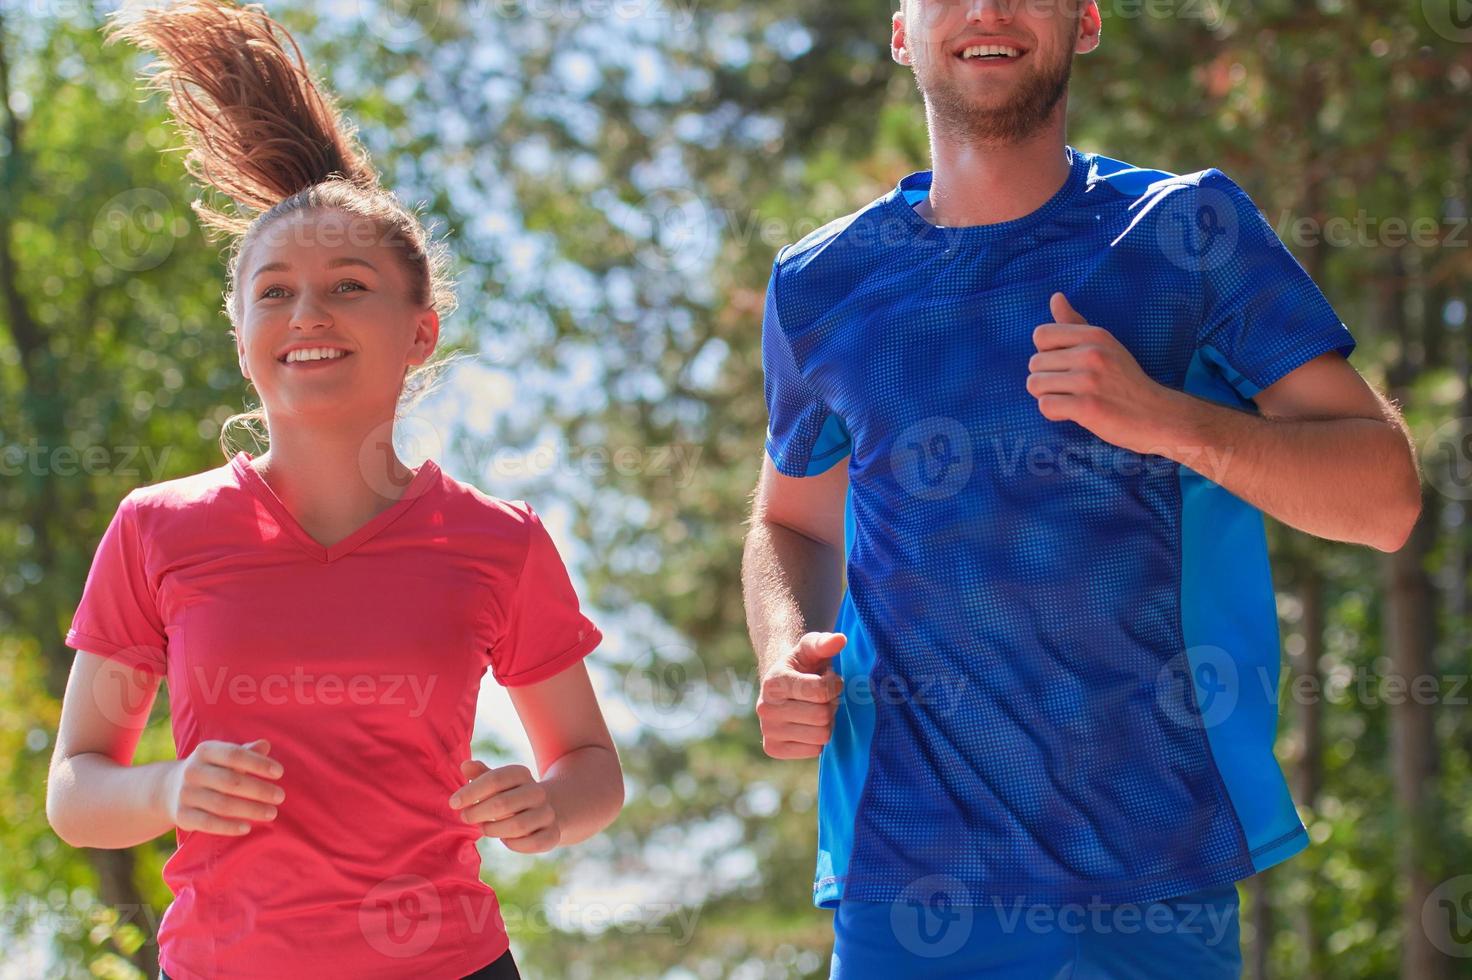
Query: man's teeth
x,y
314,354
982,50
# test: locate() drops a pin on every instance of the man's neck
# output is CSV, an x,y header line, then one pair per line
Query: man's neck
x,y
985,184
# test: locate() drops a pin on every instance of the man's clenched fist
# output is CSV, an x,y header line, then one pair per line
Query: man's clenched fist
x,y
1082,373
799,697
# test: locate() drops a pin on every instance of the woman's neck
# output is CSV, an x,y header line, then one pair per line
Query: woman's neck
x,y
334,483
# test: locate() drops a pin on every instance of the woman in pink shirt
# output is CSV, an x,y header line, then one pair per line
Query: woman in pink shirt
x,y
324,614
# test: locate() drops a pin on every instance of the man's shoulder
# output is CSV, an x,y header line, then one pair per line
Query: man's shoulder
x,y
1108,175
835,240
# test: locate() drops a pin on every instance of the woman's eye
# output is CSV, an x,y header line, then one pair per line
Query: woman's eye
x,y
350,282
270,290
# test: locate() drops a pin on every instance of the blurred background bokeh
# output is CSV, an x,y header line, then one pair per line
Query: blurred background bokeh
x,y
614,178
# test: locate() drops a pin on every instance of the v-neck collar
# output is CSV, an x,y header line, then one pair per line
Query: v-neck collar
x,y
246,474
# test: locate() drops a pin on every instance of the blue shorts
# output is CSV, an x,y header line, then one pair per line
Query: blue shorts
x,y
1192,937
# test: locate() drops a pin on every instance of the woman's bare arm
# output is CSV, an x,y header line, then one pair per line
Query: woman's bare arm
x,y
581,788
94,796
575,755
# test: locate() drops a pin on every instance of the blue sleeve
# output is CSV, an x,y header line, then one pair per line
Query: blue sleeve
x,y
804,437
1262,316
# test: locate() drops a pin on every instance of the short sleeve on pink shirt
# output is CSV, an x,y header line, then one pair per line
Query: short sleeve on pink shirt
x,y
118,615
546,630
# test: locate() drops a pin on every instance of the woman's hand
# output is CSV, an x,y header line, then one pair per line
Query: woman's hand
x,y
509,804
221,786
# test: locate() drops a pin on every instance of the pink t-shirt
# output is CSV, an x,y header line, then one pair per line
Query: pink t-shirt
x,y
361,664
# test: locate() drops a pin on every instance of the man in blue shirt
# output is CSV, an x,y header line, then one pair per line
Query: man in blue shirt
x,y
1007,573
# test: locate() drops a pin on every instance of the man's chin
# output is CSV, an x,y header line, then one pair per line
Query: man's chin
x,y
994,112
981,94
961,104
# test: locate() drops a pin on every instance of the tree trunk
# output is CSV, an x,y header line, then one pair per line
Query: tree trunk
x,y
1310,772
1309,581
117,889
1262,925
1410,608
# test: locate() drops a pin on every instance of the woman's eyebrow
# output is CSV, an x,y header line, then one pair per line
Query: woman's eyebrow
x,y
331,264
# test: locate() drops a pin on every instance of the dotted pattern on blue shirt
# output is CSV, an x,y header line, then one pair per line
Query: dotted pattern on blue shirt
x,y
1023,568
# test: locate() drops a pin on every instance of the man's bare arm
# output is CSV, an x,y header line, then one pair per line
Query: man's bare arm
x,y
792,579
1328,455
792,567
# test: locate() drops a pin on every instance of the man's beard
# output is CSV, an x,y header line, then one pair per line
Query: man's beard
x,y
956,114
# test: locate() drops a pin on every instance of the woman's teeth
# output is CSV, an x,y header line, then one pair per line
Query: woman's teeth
x,y
314,354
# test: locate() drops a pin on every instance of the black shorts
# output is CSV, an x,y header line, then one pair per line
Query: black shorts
x,y
502,968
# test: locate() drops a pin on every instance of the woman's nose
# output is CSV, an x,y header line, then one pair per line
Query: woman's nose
x,y
308,314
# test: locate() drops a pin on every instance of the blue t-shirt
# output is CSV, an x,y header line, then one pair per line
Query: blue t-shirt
x,y
1062,664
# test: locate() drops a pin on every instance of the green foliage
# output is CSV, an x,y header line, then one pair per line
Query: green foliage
x,y
651,168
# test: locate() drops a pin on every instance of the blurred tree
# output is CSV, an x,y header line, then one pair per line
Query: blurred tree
x,y
616,185
108,379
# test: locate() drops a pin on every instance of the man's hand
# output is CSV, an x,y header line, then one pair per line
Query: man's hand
x,y
507,803
799,697
1083,374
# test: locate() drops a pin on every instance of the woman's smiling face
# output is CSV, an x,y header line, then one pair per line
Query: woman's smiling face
x,y
317,279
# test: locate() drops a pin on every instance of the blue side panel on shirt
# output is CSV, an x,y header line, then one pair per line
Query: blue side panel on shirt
x,y
844,766
833,445
1216,359
1230,623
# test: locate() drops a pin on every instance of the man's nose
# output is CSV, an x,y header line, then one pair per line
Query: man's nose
x,y
980,10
